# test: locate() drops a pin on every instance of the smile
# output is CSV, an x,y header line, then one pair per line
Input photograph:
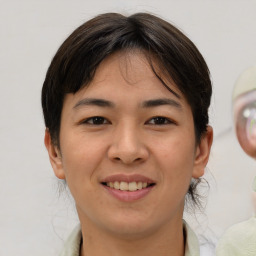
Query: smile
x,y
128,186
128,192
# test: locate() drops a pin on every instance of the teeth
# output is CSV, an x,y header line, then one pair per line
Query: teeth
x,y
116,185
124,185
133,186
127,186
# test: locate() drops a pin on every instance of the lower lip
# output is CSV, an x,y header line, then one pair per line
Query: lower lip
x,y
128,196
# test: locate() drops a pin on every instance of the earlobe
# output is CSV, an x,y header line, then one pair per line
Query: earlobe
x,y
54,156
203,153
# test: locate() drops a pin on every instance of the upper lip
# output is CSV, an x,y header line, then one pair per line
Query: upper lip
x,y
127,178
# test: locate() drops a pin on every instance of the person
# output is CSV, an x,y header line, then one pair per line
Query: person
x,y
125,103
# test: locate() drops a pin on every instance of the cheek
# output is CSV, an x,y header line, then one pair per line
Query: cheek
x,y
80,157
175,164
176,150
175,157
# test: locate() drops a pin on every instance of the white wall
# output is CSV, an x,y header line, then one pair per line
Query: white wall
x,y
31,216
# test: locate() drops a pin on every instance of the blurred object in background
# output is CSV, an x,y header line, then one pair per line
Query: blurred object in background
x,y
240,239
244,107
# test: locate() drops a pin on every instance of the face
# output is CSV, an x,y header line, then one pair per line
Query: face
x,y
128,129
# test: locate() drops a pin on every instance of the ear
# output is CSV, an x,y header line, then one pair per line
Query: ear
x,y
202,153
54,156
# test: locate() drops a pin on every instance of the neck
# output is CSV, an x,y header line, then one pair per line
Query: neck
x,y
166,241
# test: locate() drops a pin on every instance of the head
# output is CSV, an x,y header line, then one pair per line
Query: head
x,y
127,62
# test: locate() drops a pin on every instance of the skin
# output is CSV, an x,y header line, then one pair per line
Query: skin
x,y
129,140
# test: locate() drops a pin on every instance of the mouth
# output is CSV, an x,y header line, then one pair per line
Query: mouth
x,y
128,191
128,186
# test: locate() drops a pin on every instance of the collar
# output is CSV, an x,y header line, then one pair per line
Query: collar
x,y
192,244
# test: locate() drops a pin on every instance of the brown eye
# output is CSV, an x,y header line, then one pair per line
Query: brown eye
x,y
159,120
96,120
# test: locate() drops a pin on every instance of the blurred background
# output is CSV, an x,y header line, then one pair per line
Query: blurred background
x,y
35,216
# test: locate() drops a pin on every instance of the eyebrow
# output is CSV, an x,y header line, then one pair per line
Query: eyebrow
x,y
145,104
161,102
94,102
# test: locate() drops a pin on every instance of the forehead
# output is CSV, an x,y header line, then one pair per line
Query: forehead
x,y
131,66
129,75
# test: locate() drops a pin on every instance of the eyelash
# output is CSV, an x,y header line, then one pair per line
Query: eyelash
x,y
105,121
161,118
94,118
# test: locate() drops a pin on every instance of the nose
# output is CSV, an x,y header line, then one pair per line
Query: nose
x,y
127,146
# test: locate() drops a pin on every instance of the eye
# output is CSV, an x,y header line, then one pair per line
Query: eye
x,y
95,120
159,120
